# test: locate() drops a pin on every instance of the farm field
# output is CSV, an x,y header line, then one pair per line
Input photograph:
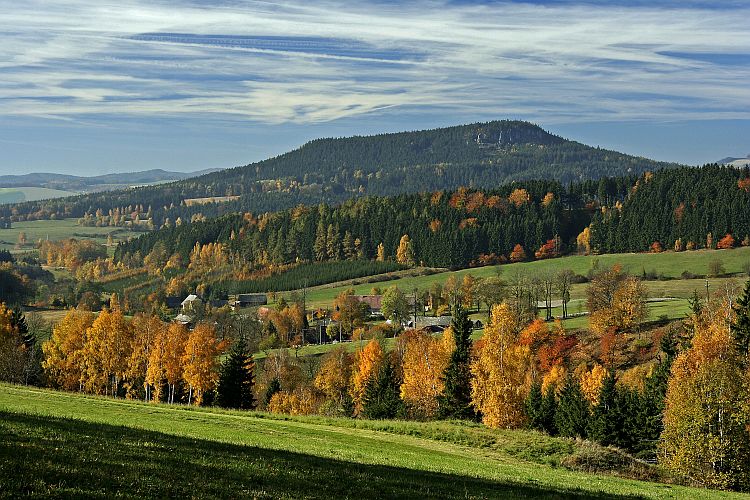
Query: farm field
x,y
141,449
669,264
58,230
19,194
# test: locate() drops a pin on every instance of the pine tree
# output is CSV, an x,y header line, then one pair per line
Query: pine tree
x,y
382,399
237,379
572,413
456,399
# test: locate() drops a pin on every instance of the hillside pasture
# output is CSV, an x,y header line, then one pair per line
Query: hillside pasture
x,y
669,265
19,194
63,444
55,230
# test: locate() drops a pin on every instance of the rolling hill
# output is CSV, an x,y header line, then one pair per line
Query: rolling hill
x,y
155,450
61,185
480,155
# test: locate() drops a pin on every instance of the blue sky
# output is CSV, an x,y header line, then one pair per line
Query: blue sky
x,y
92,87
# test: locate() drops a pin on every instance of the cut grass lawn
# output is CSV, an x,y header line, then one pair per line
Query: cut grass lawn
x,y
58,230
62,444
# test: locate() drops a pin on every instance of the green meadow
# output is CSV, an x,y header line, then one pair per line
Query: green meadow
x,y
19,194
54,230
67,445
670,265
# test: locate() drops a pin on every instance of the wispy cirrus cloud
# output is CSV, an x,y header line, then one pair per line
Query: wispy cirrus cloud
x,y
278,62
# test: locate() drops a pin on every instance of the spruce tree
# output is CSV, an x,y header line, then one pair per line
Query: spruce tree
x,y
548,410
456,399
534,402
274,386
382,397
606,423
237,380
572,413
649,413
741,326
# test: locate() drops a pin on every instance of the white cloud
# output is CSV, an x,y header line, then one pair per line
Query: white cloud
x,y
77,59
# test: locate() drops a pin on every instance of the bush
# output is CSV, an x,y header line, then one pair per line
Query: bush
x,y
716,268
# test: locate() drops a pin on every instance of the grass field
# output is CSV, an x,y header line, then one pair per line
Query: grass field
x,y
62,444
19,194
669,264
57,230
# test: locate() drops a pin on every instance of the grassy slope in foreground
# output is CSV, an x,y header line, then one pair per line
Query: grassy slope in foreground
x,y
66,444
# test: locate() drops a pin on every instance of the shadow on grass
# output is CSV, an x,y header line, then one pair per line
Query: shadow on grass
x,y
46,456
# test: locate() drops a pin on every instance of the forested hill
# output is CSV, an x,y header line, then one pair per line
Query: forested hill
x,y
678,208
482,155
524,220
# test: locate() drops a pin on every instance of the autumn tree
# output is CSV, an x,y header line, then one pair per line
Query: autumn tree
x,y
518,254
64,363
705,435
200,361
349,312
174,350
11,348
405,252
424,362
455,402
726,242
334,378
499,372
394,305
107,351
367,363
490,292
146,328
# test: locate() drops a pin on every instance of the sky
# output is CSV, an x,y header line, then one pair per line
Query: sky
x,y
90,87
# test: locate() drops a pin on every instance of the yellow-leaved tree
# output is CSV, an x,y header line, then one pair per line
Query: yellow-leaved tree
x,y
12,349
63,352
334,376
106,352
424,361
706,434
367,363
500,368
592,382
176,338
201,361
146,329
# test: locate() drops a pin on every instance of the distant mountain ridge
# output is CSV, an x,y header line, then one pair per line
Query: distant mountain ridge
x,y
80,183
332,170
736,162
